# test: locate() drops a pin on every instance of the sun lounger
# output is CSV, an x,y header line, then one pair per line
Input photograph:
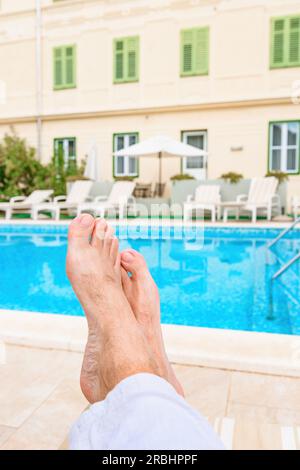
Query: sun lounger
x,y
207,198
79,193
118,200
262,198
21,204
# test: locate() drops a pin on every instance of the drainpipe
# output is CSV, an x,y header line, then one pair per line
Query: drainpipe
x,y
38,66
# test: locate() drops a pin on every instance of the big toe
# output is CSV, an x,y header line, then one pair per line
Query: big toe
x,y
80,231
134,263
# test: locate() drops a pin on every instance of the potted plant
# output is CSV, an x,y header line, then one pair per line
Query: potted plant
x,y
280,175
181,177
232,177
124,178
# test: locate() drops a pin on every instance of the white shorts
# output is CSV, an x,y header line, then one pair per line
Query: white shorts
x,y
143,412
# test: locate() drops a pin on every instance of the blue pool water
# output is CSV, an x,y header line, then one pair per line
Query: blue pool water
x,y
223,284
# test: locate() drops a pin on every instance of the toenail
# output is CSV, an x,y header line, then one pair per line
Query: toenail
x,y
86,220
100,231
127,256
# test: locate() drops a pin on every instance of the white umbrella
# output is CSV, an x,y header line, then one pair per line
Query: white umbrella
x,y
92,169
161,146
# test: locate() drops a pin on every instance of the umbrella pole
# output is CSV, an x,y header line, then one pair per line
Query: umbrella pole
x,y
160,173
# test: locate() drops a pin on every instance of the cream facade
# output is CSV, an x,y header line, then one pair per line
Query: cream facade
x,y
228,109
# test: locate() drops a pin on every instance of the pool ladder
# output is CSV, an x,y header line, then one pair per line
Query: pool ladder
x,y
292,261
284,268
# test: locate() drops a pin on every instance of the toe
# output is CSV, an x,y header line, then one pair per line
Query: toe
x,y
134,263
108,240
126,282
80,231
114,249
99,233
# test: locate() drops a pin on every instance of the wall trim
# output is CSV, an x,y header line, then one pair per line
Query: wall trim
x,y
148,110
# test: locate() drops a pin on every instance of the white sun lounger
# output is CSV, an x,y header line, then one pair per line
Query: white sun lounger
x,y
296,206
207,198
21,204
262,197
79,193
118,200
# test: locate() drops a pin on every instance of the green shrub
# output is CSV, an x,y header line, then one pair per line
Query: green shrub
x,y
231,177
182,177
21,172
280,175
124,178
73,178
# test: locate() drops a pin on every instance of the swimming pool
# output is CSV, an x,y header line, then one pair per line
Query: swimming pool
x,y
223,284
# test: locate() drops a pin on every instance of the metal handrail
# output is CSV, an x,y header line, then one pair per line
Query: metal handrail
x,y
286,267
284,232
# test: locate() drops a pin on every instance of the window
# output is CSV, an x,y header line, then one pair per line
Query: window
x,y
194,51
65,152
64,67
126,59
195,166
284,147
285,42
125,166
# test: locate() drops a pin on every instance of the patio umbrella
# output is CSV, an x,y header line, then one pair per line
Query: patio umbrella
x,y
160,146
92,169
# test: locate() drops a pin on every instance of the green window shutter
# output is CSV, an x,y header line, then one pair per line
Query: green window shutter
x,y
187,46
132,57
194,51
70,66
285,42
201,59
64,67
126,59
58,67
294,41
278,43
119,60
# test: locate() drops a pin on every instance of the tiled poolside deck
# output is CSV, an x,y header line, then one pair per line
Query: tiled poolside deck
x,y
40,398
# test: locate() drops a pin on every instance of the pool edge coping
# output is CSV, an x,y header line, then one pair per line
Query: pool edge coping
x,y
158,222
264,353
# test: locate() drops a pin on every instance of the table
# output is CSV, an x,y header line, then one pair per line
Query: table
x,y
231,206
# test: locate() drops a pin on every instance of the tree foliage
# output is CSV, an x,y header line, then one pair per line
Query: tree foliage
x,y
21,172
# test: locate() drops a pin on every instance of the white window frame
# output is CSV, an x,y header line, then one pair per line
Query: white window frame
x,y
126,158
284,147
195,171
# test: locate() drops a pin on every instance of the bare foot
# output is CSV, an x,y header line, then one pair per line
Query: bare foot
x,y
143,296
116,348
